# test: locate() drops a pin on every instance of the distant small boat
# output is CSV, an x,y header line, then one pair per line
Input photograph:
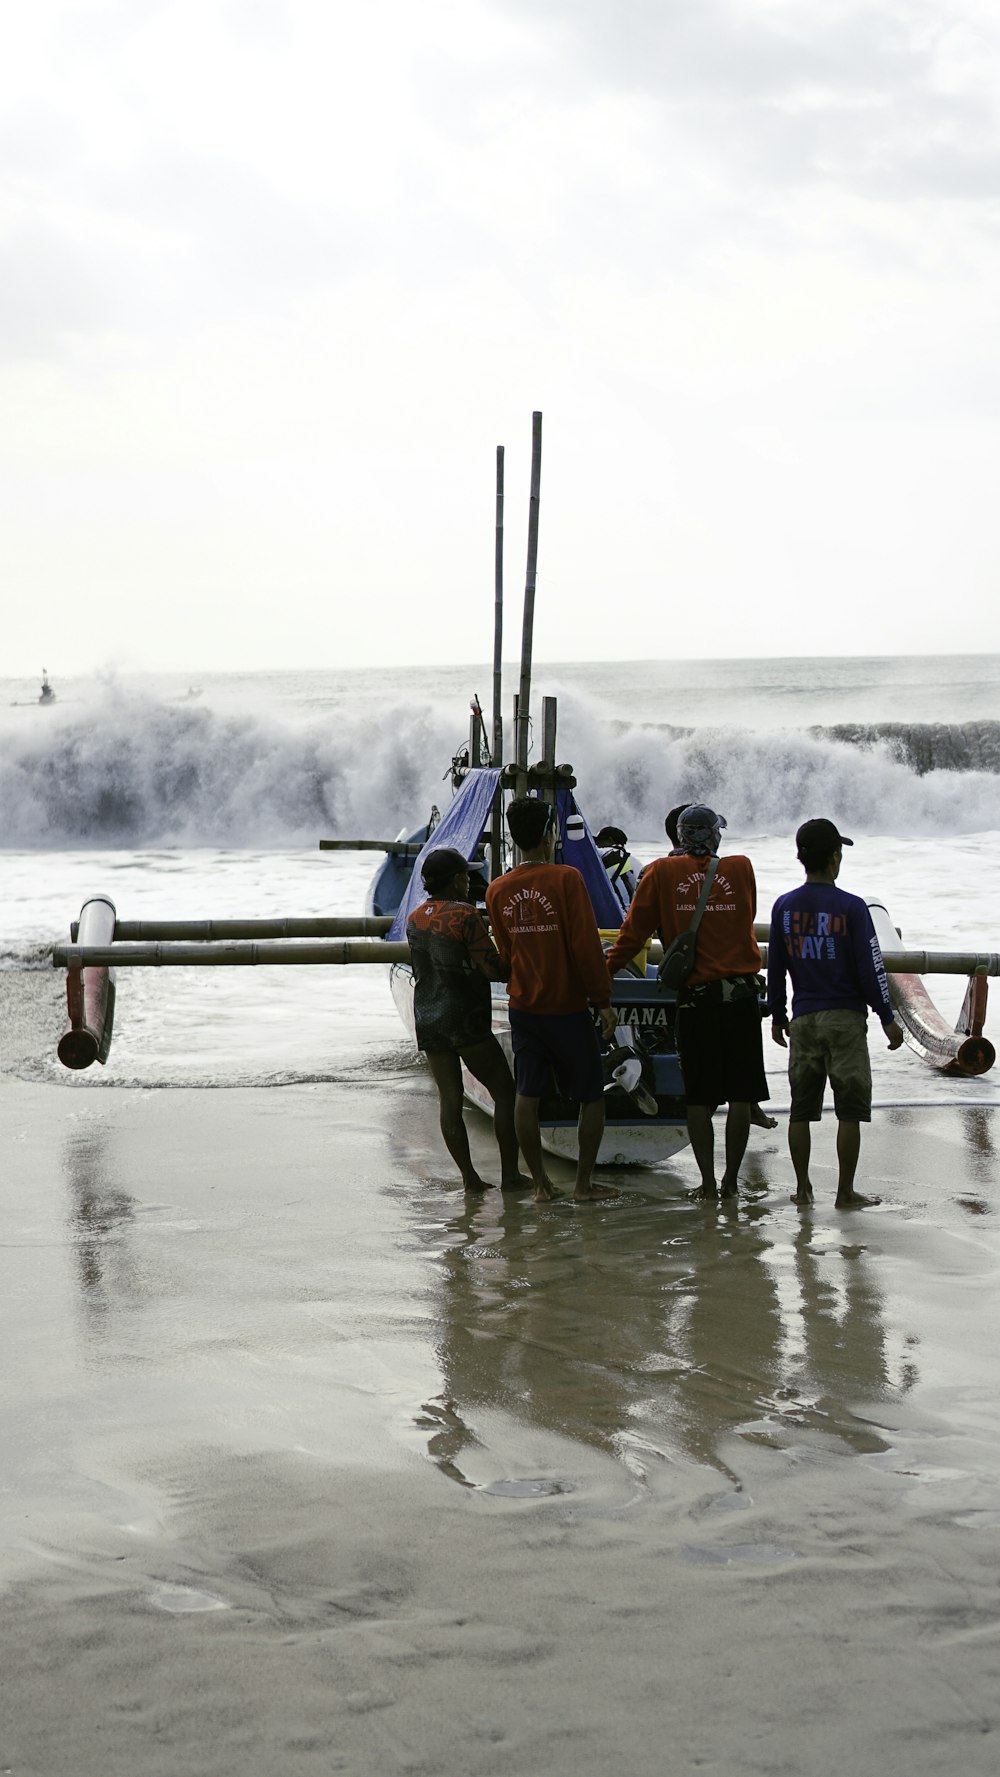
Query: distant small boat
x,y
46,695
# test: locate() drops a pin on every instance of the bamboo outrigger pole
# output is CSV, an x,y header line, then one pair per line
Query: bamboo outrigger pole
x,y
236,954
377,950
90,992
134,931
962,1049
397,848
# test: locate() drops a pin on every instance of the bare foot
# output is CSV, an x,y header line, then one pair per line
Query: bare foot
x,y
476,1185
855,1201
760,1118
802,1197
730,1188
592,1193
704,1194
519,1182
545,1192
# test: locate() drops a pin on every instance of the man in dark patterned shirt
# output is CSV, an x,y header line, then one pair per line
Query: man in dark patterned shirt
x,y
454,960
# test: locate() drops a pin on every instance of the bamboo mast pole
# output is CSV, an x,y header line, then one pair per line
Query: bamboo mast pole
x,y
496,823
498,618
549,706
528,624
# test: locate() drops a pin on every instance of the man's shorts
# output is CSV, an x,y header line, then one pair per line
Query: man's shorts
x,y
834,1046
720,1048
565,1045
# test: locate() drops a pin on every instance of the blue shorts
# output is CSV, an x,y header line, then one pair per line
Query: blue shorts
x,y
565,1045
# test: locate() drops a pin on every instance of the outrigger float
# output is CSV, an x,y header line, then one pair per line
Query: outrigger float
x,y
644,1092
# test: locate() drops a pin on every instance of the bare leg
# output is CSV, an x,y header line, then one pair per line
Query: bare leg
x,y
800,1147
589,1132
489,1064
737,1134
529,1136
848,1152
448,1080
702,1137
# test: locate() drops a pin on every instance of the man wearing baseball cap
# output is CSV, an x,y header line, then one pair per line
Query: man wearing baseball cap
x,y
823,940
718,1015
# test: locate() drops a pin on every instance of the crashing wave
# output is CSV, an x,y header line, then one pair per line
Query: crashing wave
x,y
134,771
926,746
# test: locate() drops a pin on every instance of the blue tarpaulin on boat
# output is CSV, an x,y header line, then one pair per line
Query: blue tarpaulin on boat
x,y
583,854
460,827
464,824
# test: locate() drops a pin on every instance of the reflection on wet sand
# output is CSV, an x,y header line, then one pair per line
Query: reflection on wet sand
x,y
977,1131
651,1328
100,1216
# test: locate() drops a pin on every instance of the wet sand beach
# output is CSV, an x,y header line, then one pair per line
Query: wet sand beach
x,y
312,1466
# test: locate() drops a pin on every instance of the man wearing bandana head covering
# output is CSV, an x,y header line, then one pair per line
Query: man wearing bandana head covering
x,y
718,1017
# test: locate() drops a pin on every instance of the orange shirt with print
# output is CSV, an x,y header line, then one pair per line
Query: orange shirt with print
x,y
665,901
544,928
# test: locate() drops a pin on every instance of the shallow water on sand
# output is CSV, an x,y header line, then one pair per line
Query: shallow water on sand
x,y
324,1245
309,1459
662,1332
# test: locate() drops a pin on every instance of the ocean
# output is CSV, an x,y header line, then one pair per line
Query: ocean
x,y
205,795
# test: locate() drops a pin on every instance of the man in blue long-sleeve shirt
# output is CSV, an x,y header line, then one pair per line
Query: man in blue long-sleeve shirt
x,y
824,940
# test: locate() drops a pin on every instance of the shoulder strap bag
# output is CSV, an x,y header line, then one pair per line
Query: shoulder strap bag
x,y
678,958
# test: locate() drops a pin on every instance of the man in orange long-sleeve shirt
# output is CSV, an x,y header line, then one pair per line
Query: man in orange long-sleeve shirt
x,y
718,1015
546,932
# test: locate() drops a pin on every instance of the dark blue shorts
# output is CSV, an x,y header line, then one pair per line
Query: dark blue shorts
x,y
565,1045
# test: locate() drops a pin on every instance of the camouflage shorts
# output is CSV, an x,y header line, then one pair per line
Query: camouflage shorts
x,y
830,1046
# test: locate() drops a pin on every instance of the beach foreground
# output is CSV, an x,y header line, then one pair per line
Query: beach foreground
x,y
312,1466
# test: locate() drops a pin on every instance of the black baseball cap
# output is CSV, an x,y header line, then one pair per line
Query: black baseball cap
x,y
440,866
819,836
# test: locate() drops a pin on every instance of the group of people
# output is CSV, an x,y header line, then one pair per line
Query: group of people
x,y
546,945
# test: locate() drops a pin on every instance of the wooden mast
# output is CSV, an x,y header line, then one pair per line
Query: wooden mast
x,y
498,619
496,824
522,721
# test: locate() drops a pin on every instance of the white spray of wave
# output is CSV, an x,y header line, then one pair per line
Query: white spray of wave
x,y
132,770
767,782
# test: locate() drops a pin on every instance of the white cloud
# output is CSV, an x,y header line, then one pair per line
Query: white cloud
x,y
275,279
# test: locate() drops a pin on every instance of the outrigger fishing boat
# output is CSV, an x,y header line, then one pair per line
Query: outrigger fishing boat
x,y
644,1092
644,1095
644,1101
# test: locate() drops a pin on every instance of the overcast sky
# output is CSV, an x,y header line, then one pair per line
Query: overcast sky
x,y
277,276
